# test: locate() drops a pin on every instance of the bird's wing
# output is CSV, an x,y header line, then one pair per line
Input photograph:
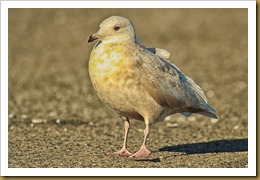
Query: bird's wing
x,y
168,85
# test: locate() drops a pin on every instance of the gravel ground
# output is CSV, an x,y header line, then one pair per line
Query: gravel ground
x,y
57,120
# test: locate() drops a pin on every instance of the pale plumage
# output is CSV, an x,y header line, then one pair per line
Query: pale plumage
x,y
138,82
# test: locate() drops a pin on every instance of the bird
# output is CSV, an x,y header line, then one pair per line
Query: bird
x,y
139,83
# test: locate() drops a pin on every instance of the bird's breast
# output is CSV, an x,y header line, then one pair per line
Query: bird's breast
x,y
109,61
112,69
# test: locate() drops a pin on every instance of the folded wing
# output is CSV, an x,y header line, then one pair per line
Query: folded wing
x,y
170,87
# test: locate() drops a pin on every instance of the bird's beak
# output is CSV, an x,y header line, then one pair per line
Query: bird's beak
x,y
92,38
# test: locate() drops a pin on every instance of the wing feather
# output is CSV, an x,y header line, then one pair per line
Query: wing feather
x,y
169,86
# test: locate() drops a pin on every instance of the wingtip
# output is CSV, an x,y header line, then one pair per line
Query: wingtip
x,y
209,114
216,116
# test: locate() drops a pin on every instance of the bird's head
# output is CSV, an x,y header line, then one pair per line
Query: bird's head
x,y
114,28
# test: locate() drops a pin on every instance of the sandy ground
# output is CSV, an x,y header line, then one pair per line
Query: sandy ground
x,y
56,119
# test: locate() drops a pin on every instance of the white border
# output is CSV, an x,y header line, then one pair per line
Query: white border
x,y
250,171
127,4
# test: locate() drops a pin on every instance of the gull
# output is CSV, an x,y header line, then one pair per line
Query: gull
x,y
139,83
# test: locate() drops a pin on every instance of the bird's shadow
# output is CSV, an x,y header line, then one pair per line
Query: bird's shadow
x,y
220,146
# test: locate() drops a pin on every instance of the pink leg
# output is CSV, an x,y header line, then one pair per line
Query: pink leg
x,y
123,151
143,151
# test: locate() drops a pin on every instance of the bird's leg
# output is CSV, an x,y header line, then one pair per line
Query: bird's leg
x,y
124,151
143,151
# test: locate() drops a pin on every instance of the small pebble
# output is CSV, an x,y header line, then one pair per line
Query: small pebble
x,y
37,121
53,114
168,118
172,125
236,127
213,121
11,116
24,116
57,121
161,158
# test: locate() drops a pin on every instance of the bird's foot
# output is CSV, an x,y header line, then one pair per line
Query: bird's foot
x,y
122,152
142,153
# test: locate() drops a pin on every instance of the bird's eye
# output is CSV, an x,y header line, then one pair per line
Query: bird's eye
x,y
116,28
